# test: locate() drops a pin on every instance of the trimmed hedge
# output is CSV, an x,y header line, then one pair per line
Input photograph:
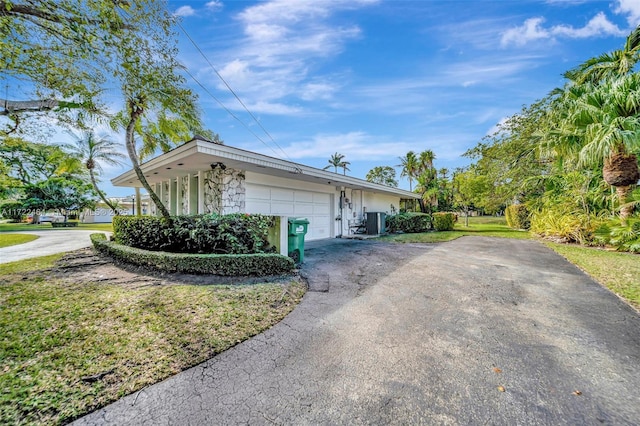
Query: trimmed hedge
x,y
518,216
444,221
228,234
260,264
409,222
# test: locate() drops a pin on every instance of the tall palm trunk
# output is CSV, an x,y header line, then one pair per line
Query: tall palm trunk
x,y
100,193
621,171
135,111
623,193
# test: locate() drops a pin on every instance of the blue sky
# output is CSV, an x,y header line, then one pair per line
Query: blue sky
x,y
373,79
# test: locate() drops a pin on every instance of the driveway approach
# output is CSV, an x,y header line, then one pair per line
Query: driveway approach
x,y
48,242
474,331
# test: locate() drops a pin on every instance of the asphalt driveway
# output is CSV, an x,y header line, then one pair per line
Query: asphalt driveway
x,y
48,242
474,331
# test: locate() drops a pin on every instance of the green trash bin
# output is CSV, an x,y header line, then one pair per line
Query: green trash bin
x,y
297,231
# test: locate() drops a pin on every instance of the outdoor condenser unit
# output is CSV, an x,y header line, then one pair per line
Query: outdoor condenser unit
x,y
375,223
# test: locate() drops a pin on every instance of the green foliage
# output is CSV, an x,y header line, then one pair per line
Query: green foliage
x,y
622,237
408,222
229,234
562,224
63,194
13,210
259,264
444,221
384,175
518,216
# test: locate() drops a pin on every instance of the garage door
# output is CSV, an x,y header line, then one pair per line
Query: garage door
x,y
314,206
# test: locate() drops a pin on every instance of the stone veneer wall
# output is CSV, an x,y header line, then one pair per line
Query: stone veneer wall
x,y
184,194
224,191
233,191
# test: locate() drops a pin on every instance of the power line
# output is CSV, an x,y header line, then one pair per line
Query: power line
x,y
235,95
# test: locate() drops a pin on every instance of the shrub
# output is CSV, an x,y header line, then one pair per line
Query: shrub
x,y
408,222
229,234
559,222
623,238
444,221
517,216
13,210
259,264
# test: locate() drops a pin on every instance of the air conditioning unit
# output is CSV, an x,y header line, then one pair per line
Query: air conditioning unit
x,y
376,223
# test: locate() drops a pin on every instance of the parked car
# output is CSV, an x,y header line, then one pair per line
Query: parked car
x,y
51,218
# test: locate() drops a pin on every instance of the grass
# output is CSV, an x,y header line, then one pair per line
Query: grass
x,y
71,347
25,227
486,226
619,272
7,240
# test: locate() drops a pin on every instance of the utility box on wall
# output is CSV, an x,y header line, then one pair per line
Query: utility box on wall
x,y
376,223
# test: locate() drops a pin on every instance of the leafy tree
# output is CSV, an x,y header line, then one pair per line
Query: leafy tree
x,y
409,164
93,43
335,161
94,150
65,50
469,190
27,163
63,194
384,175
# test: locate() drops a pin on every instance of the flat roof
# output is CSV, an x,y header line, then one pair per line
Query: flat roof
x,y
198,154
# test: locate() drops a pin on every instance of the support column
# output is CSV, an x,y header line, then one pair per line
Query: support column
x,y
201,185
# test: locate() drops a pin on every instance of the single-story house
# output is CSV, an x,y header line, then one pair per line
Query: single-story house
x,y
205,177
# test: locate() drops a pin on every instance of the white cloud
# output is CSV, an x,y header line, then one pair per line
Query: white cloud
x,y
185,11
355,146
598,25
533,30
283,43
631,8
214,5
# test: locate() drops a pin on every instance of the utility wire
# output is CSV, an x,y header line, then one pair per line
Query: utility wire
x,y
235,95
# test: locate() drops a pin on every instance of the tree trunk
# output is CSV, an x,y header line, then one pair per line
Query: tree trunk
x,y
135,111
625,211
100,193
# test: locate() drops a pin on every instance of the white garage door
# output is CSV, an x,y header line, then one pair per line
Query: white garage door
x,y
314,206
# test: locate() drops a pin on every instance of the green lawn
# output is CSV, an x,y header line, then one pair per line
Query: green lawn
x,y
14,227
71,347
7,240
619,272
486,226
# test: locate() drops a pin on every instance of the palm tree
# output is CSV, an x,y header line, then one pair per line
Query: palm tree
x,y
617,63
336,161
426,160
600,126
95,150
409,164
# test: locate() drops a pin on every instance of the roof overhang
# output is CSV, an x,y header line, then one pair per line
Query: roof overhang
x,y
199,155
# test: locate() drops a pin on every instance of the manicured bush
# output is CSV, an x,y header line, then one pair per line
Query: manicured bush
x,y
518,216
409,222
444,221
259,264
64,224
229,234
